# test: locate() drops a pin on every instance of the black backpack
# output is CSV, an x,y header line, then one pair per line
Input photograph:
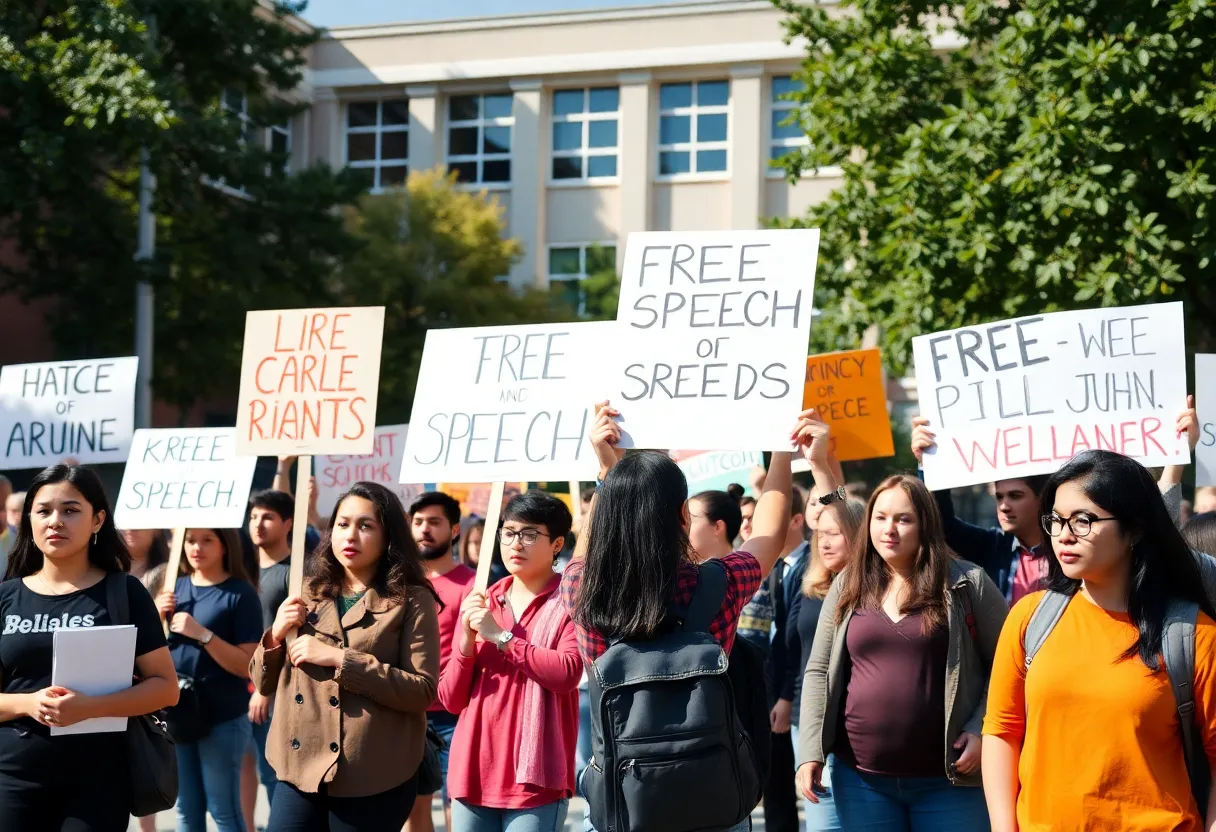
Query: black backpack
x,y
669,752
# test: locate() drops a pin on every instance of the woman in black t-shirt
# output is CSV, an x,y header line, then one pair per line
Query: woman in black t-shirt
x,y
66,548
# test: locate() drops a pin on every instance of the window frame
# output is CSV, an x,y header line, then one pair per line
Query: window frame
x,y
378,130
480,157
693,146
584,152
583,249
787,106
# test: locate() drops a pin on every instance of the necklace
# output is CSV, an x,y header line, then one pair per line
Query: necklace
x,y
51,590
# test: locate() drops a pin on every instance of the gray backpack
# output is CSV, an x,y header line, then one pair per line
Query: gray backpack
x,y
1178,648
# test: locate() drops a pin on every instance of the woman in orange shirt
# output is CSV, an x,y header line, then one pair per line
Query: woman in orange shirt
x,y
1089,739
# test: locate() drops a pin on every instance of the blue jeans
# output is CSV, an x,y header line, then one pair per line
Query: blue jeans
x,y
209,778
875,803
548,818
265,770
821,816
582,752
444,724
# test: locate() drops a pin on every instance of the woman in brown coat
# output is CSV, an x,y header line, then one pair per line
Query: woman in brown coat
x,y
353,687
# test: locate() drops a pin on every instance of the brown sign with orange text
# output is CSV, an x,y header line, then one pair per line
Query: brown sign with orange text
x,y
847,390
309,381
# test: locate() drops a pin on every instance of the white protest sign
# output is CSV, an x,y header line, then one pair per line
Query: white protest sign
x,y
1205,405
1021,397
713,338
507,403
336,474
184,478
715,470
80,409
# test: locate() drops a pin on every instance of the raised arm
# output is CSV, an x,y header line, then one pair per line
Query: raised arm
x,y
772,515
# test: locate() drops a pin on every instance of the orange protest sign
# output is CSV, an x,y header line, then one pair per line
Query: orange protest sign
x,y
847,390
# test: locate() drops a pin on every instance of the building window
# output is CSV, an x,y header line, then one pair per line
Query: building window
x,y
378,141
585,133
571,264
479,137
694,122
785,132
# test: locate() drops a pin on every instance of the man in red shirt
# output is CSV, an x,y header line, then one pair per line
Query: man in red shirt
x,y
435,521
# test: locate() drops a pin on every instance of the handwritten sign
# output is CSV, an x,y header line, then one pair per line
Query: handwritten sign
x,y
79,409
1205,404
1021,397
715,470
184,477
336,474
309,381
847,388
506,403
714,327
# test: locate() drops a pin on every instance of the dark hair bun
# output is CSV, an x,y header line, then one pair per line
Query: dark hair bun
x,y
735,491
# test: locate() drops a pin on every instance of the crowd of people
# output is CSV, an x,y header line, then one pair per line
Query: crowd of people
x,y
675,659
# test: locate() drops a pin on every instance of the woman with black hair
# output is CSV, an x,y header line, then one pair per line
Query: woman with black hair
x,y
353,686
714,521
67,549
1089,738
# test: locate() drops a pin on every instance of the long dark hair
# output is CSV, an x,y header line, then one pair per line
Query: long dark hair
x,y
867,577
108,553
635,545
399,568
722,506
1162,566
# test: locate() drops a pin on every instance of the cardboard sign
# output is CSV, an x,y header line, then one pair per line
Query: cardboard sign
x,y
474,498
184,477
84,410
713,334
1021,397
506,403
848,390
336,474
309,381
1205,405
715,470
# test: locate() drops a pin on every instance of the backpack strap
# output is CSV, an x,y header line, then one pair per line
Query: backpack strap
x,y
117,601
1178,648
1042,621
707,598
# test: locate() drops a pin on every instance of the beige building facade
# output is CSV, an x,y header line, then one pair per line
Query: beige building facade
x,y
584,125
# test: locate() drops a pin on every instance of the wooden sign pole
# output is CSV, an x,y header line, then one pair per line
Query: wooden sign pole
x,y
299,531
576,501
174,565
489,537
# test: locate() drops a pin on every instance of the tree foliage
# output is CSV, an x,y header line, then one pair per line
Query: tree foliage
x,y
1007,157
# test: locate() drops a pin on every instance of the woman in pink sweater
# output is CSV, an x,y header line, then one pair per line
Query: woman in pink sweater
x,y
513,677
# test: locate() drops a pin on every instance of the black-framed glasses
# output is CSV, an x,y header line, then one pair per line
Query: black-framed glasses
x,y
526,536
1079,524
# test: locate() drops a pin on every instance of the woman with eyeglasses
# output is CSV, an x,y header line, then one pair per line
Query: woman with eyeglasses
x,y
513,678
1088,735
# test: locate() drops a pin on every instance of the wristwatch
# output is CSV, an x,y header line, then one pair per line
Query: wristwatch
x,y
839,495
206,639
504,638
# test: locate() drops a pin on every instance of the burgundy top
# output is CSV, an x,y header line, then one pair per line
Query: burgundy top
x,y
894,714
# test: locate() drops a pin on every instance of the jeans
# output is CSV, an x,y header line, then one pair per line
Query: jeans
x,y
265,770
444,724
297,811
209,778
582,753
548,818
821,816
876,803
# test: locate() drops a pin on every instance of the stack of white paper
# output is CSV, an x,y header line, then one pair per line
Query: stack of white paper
x,y
94,661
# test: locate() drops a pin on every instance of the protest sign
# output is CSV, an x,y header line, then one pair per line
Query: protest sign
x,y
474,498
1021,397
506,403
847,389
84,410
309,381
336,474
184,477
713,334
1205,405
715,470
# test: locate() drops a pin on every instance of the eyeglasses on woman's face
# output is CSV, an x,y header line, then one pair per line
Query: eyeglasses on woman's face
x,y
526,536
1080,524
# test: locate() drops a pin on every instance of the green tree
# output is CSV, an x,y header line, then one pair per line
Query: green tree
x,y
1044,155
601,287
433,254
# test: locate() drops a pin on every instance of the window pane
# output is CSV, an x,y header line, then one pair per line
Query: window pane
x,y
601,133
497,106
563,261
361,114
234,101
462,141
713,93
784,84
566,102
360,147
600,166
462,108
785,131
366,177
396,111
711,128
395,145
568,167
497,140
279,142
392,176
605,100
497,171
779,151
674,129
673,161
465,171
567,135
711,160
675,95
569,292
601,258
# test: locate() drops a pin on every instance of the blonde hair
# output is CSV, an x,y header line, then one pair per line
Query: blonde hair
x,y
818,578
